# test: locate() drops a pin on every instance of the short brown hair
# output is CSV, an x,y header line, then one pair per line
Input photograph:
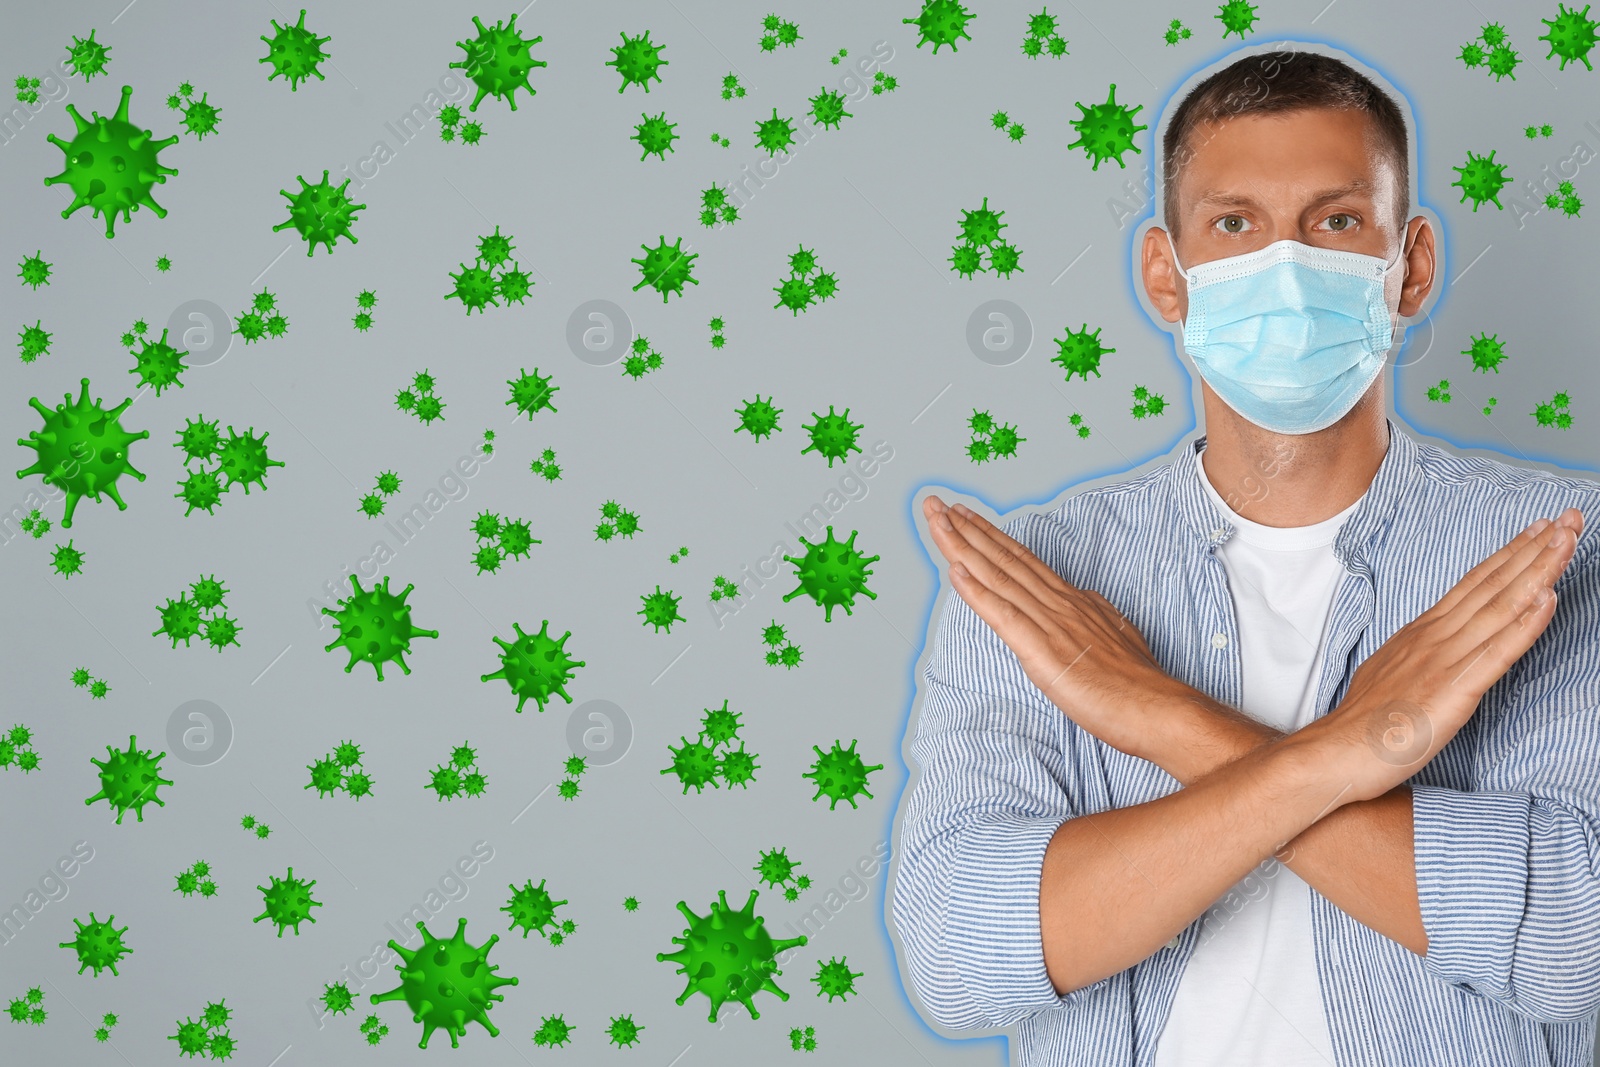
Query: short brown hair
x,y
1276,82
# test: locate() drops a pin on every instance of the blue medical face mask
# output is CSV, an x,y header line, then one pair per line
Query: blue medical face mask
x,y
1291,335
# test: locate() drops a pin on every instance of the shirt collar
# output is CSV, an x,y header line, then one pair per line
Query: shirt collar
x,y
1397,473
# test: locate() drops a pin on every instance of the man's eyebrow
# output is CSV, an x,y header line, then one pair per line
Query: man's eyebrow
x,y
1226,198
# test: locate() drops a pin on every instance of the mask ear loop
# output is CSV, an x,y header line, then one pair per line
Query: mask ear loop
x,y
1174,248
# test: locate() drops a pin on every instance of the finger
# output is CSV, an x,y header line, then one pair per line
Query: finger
x,y
1516,593
1013,626
1473,578
995,544
956,539
1488,661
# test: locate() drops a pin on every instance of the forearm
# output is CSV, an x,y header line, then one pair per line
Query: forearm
x,y
1360,857
1117,885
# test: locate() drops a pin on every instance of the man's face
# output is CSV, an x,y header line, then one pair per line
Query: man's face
x,y
1315,176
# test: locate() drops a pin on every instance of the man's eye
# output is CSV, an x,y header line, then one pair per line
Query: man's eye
x,y
1232,223
1339,222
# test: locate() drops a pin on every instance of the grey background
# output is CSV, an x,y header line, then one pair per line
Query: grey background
x,y
879,201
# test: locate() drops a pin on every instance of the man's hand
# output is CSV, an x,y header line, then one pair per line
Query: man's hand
x,y
1072,643
1411,696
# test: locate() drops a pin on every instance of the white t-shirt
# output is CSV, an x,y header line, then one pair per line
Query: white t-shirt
x,y
1249,994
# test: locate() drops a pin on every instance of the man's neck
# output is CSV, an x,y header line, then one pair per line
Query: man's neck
x,y
1288,480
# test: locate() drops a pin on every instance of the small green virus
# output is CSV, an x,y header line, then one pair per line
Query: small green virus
x,y
33,342
827,108
637,60
34,271
320,213
1106,130
836,979
288,902
66,560
88,57
623,1031
833,436
655,135
200,117
775,134
1487,352
1440,394
660,609
294,52
728,954
1237,16
1481,180
1080,352
840,774
941,22
832,573
532,909
759,418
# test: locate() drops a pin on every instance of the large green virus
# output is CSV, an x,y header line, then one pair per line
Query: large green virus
x,y
660,609
243,459
82,449
832,435
129,780
320,213
1487,352
655,135
941,22
498,61
1237,16
775,134
158,364
1080,352
87,56
375,625
827,108
840,774
447,984
98,944
532,392
728,954
1571,35
623,1031
535,666
294,52
832,573
836,979
666,268
759,418
1481,180
287,902
532,909
111,165
1106,130
637,60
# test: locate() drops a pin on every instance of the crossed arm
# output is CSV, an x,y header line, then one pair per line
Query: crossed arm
x,y
1321,799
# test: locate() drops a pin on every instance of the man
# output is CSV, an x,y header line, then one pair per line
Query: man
x,y
1288,751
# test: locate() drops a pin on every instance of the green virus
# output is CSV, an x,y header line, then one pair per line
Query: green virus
x,y
535,666
731,88
98,943
840,774
775,134
1042,37
34,271
419,398
33,342
1481,180
129,780
980,238
637,60
1554,412
728,954
660,609
336,998
666,268
554,1030
833,436
1487,352
476,288
623,1031
111,165
287,901
941,22
199,118
83,449
294,52
758,418
320,213
836,979
532,909
498,61
1571,35
695,764
1176,31
827,108
472,132
447,984
1237,16
66,560
630,903
88,57
832,573
568,789
373,1030
1440,394
803,1039
1147,404
655,135
1080,352
806,284
1502,62
375,625
1105,131
776,868
158,364
991,440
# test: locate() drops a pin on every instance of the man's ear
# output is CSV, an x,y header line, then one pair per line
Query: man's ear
x,y
1421,266
1160,274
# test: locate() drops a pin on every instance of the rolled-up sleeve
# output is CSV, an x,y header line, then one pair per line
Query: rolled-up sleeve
x,y
994,784
1508,875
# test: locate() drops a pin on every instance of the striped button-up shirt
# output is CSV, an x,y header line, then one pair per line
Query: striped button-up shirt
x,y
1506,816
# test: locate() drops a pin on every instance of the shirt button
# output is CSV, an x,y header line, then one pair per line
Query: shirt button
x,y
1334,959
1173,943
1216,534
1219,640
